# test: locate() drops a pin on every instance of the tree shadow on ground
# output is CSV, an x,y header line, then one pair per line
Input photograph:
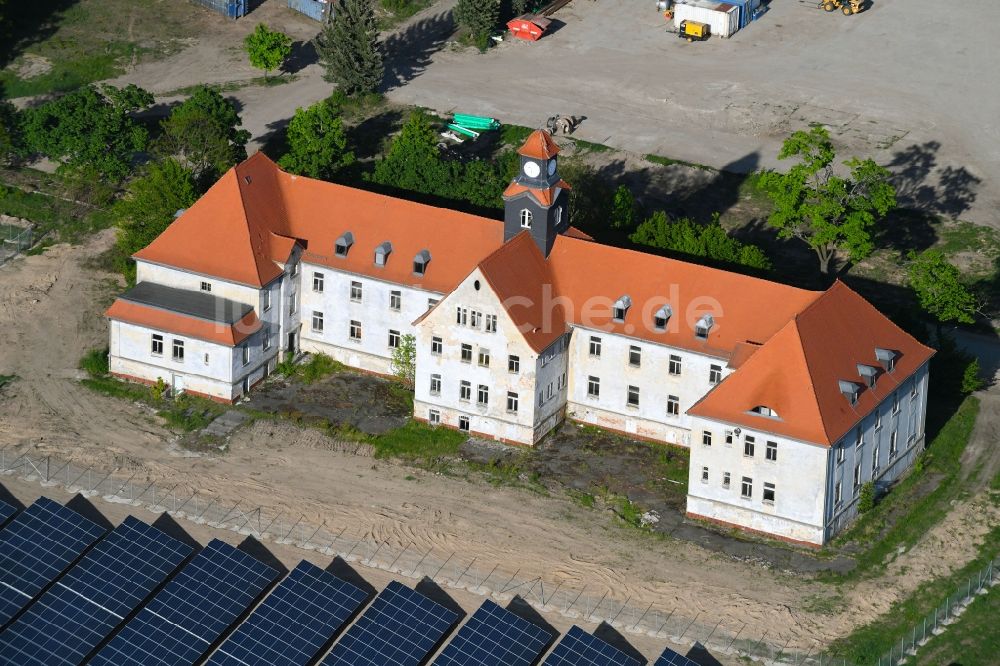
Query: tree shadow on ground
x,y
26,23
274,142
924,184
303,54
408,52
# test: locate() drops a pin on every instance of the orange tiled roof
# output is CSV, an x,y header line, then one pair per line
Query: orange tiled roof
x,y
539,145
194,327
796,372
543,196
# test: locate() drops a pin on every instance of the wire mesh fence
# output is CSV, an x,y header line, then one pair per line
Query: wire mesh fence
x,y
455,570
14,240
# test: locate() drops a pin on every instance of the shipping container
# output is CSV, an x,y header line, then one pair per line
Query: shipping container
x,y
722,17
228,8
528,26
314,9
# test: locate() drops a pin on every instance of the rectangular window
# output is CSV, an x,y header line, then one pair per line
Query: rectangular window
x,y
595,346
156,345
768,493
206,286
675,365
395,300
474,320
857,478
714,374
267,340
512,402
841,454
704,475
706,437
435,384
513,364
356,292
726,478
729,438
246,354
437,346
434,417
294,270
355,330
746,490
634,356
461,316
875,461
748,446
431,302
673,405
895,403
463,423
178,350
318,282
466,353
206,359
393,339
561,383
878,419
491,323
317,321
465,391
838,494
484,357
548,391
771,452
483,395
265,300
594,387
892,445
858,438
291,303
633,396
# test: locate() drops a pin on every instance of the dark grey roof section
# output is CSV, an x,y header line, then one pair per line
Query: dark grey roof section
x,y
186,302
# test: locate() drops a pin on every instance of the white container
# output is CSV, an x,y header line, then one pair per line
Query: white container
x,y
723,19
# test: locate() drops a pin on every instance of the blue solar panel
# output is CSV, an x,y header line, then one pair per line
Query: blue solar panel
x,y
36,547
671,658
294,622
6,511
83,608
192,612
494,636
400,628
578,648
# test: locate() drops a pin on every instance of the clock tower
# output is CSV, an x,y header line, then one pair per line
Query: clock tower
x,y
537,200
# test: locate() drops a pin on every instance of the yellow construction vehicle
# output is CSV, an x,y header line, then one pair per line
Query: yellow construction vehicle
x,y
693,30
847,6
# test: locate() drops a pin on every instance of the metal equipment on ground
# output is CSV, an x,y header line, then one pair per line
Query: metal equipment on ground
x,y
848,7
693,31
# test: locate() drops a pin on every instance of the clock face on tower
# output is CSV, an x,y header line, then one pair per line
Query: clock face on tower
x,y
552,167
531,169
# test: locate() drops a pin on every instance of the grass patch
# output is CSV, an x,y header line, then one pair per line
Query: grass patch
x,y
416,441
668,161
514,135
95,362
70,73
6,379
590,147
233,86
972,641
910,510
393,12
311,371
584,499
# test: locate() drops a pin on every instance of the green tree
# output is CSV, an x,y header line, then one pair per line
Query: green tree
x,y
404,359
89,128
479,17
317,143
698,240
149,206
267,49
413,161
828,212
866,497
10,133
623,209
971,377
204,134
939,288
349,48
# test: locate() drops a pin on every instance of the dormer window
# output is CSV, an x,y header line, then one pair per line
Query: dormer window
x,y
887,358
869,373
661,317
343,244
850,391
526,217
382,253
703,326
620,308
420,262
764,411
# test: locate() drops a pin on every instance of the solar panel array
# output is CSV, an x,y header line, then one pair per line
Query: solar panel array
x,y
578,648
671,658
192,612
35,548
6,511
401,628
494,636
84,606
294,622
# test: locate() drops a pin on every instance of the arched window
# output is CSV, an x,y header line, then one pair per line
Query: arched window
x,y
525,218
558,217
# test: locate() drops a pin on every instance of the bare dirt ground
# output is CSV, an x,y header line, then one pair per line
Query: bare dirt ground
x,y
51,315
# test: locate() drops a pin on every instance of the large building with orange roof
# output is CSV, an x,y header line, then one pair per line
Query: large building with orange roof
x,y
789,400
